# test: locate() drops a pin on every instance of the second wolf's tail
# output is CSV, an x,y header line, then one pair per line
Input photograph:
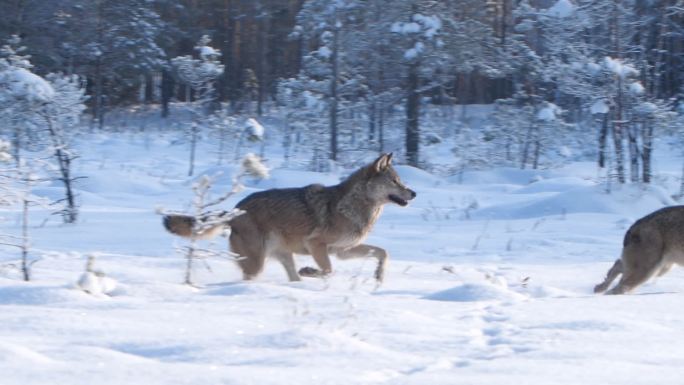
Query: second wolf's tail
x,y
206,226
181,225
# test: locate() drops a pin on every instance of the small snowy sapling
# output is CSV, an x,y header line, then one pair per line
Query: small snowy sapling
x,y
205,220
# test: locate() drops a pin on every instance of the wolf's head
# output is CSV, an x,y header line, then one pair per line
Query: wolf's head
x,y
384,184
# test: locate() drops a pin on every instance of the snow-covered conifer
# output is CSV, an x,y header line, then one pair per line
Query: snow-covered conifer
x,y
200,75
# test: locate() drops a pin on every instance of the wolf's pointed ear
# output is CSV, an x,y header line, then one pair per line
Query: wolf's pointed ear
x,y
389,158
382,163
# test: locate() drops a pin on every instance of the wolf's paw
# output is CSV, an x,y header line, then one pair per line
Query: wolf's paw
x,y
379,275
600,288
309,271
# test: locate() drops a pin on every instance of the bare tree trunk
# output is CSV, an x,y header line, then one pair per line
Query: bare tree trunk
x,y
70,214
618,133
412,116
372,119
618,123
526,146
262,63
188,262
99,76
194,133
25,266
381,130
681,183
647,150
16,142
166,92
333,95
602,141
657,67
507,146
619,152
537,151
149,88
287,142
236,54
633,154
99,94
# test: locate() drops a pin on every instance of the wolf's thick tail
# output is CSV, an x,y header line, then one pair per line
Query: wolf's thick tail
x,y
181,225
186,226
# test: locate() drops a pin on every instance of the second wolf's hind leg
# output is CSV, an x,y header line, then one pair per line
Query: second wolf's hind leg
x,y
287,260
639,263
246,242
610,277
368,251
251,266
664,269
630,281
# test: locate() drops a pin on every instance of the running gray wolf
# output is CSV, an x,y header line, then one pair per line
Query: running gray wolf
x,y
652,245
314,220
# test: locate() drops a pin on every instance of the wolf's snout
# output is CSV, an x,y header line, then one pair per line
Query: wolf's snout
x,y
413,193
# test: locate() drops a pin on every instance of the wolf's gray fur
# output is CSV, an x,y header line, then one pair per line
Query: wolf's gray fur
x,y
313,220
652,245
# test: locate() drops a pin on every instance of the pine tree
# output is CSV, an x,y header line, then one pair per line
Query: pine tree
x,y
199,75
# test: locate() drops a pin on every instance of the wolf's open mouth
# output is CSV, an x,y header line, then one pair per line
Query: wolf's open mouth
x,y
398,200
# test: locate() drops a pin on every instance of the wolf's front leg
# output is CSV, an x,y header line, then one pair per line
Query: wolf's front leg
x,y
367,251
319,252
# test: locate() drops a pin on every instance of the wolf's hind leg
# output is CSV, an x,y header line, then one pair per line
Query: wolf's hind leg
x,y
635,275
631,280
664,269
251,266
640,261
287,260
610,277
368,251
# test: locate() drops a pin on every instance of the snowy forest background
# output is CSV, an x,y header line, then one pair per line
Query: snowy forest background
x,y
354,76
535,132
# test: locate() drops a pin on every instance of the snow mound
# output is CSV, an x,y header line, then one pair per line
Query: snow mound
x,y
415,176
471,292
21,355
501,175
562,9
238,288
554,185
115,181
619,68
96,284
549,292
549,112
254,129
629,200
281,178
24,84
31,294
600,107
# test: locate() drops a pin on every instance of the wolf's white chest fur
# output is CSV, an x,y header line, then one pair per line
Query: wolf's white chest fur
x,y
361,221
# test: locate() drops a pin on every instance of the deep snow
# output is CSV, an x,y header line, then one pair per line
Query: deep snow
x,y
489,282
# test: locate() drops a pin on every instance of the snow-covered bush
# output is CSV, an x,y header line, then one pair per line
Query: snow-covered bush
x,y
95,282
43,112
16,185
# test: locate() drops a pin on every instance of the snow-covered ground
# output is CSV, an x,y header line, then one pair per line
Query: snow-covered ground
x,y
490,282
